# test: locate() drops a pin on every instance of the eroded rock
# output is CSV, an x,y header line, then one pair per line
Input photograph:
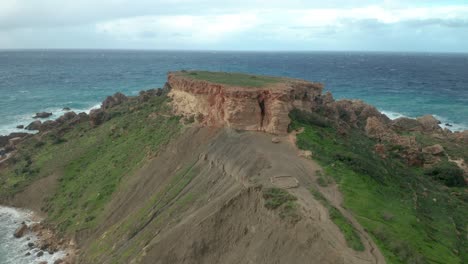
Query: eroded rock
x,y
21,231
245,108
114,100
42,115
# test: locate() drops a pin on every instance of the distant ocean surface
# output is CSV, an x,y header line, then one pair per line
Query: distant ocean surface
x,y
399,84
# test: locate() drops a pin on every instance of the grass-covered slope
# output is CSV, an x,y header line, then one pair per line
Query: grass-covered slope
x,y
233,79
90,161
412,217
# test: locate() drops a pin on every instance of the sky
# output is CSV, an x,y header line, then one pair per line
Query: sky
x,y
289,25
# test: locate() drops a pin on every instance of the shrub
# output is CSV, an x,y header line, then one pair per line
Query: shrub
x,y
311,118
447,173
275,197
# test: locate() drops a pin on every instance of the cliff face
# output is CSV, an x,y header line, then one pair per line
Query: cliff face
x,y
247,108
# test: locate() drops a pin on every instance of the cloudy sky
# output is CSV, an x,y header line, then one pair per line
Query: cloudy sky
x,y
365,25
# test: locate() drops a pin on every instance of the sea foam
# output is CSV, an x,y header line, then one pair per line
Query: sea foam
x,y
13,250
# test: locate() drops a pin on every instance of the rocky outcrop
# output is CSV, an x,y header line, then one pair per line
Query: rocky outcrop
x,y
35,125
245,108
96,117
114,100
20,231
6,140
42,115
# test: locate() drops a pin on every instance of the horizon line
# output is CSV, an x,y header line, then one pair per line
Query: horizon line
x,y
232,50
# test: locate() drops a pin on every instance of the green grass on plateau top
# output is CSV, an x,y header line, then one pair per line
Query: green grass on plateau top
x,y
233,79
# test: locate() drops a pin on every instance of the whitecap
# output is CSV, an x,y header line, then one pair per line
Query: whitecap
x,y
452,125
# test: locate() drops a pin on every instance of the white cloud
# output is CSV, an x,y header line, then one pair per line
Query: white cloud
x,y
218,24
198,29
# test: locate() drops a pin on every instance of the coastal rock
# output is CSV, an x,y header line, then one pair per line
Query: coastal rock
x,y
67,116
40,254
376,129
96,117
48,125
5,140
353,113
245,108
403,124
429,123
461,137
20,126
59,261
20,231
436,149
66,109
114,100
42,115
146,95
35,125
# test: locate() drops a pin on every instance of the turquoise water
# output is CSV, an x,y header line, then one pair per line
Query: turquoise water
x,y
397,83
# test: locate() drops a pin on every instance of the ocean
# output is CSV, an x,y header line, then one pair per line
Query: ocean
x,y
399,84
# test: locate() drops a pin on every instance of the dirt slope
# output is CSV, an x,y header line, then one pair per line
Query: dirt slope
x,y
200,201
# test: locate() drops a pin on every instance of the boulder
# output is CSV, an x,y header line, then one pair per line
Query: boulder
x,y
436,149
275,140
96,117
40,254
67,116
429,122
35,125
59,261
376,129
42,115
48,125
20,126
20,231
113,100
30,244
305,154
406,124
66,109
146,95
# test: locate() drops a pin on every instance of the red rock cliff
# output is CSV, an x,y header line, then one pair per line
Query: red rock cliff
x,y
247,108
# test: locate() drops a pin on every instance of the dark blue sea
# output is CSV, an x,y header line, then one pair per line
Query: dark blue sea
x,y
399,84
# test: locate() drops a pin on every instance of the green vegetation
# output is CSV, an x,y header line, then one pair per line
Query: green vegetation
x,y
447,173
412,217
234,79
278,198
91,161
349,232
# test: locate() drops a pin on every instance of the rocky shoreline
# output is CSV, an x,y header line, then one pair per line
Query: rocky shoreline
x,y
43,240
24,238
